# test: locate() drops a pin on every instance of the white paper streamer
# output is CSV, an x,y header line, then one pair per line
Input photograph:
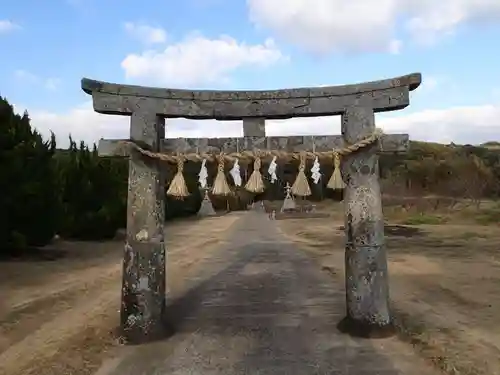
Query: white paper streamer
x,y
315,170
235,173
272,170
203,175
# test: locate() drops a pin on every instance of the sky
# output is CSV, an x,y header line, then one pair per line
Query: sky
x,y
48,47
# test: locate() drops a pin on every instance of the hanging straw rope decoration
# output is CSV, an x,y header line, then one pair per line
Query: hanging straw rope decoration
x,y
336,182
221,187
178,188
255,184
301,186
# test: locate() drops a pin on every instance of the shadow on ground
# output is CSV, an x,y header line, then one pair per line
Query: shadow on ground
x,y
269,310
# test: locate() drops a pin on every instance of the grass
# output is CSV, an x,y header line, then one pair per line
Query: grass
x,y
444,275
420,214
425,219
488,216
472,235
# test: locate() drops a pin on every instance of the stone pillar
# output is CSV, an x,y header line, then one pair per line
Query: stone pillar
x,y
366,278
254,127
143,287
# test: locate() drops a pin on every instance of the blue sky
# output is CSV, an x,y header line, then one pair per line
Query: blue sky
x,y
254,44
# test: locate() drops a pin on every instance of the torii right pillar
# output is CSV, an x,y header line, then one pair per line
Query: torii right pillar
x,y
366,276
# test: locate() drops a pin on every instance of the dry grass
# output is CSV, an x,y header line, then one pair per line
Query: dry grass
x,y
61,316
444,276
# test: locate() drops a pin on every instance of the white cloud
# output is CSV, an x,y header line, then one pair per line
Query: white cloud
x,y
366,25
145,33
8,26
85,124
348,25
28,77
467,124
52,84
25,76
430,20
430,83
197,61
395,46
474,125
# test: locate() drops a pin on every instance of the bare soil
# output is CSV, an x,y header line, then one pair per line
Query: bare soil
x,y
59,307
444,279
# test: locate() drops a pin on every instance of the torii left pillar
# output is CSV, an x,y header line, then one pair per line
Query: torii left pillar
x,y
143,284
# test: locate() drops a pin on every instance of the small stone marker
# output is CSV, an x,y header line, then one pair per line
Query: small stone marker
x,y
289,202
206,208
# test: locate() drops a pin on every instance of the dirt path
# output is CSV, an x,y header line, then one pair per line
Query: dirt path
x,y
259,305
60,316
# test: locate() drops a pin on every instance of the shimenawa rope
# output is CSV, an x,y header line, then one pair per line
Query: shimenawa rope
x,y
255,183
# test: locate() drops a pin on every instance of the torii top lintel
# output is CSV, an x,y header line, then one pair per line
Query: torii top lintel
x,y
384,95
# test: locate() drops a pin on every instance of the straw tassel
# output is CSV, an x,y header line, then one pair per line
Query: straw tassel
x,y
336,182
178,188
301,186
255,183
221,186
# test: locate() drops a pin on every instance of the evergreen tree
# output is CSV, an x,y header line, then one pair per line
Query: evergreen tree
x,y
28,183
93,194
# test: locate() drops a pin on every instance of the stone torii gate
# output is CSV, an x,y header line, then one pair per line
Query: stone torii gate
x,y
143,288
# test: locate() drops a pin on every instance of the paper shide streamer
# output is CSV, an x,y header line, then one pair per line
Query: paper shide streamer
x,y
235,173
272,170
315,171
203,174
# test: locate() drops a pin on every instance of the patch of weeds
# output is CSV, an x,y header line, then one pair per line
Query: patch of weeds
x,y
330,270
316,237
408,327
320,244
488,216
471,235
401,231
425,219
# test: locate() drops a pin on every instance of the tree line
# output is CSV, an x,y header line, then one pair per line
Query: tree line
x,y
78,195
69,192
